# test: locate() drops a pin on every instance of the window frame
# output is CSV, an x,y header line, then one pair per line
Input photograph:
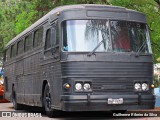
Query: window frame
x,y
45,46
21,41
50,51
52,38
31,45
6,53
34,37
14,54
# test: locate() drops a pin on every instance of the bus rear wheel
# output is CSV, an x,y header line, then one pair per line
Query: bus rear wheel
x,y
47,101
14,101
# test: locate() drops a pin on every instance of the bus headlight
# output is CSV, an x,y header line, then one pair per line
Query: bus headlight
x,y
137,86
87,86
144,86
78,86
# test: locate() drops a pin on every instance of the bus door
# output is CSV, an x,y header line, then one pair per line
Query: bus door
x,y
48,54
51,56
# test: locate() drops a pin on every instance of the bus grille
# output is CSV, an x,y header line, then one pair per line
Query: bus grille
x,y
109,76
112,85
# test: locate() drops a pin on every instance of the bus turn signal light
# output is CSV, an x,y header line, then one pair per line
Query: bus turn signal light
x,y
152,86
67,86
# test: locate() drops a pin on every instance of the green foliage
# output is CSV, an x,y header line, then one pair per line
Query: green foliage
x,y
156,81
25,19
9,11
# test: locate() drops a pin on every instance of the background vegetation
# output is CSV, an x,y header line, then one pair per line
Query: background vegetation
x,y
156,81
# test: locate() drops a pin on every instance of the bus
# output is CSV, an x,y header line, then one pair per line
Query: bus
x,y
82,58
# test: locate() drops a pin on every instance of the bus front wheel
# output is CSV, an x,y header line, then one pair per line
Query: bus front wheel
x,y
47,101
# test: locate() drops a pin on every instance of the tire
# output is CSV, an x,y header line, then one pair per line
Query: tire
x,y
47,102
16,105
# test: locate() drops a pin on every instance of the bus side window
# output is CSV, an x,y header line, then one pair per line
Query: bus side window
x,y
7,54
53,37
50,42
38,36
20,47
13,51
28,42
56,35
48,39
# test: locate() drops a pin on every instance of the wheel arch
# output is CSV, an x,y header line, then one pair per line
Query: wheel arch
x,y
13,86
45,82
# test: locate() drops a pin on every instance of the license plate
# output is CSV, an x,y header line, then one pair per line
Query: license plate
x,y
115,101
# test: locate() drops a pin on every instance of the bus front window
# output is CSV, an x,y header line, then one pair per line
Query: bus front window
x,y
129,36
85,35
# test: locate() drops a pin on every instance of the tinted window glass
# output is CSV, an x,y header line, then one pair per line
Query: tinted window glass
x,y
85,35
7,54
56,34
120,36
13,51
38,37
48,37
137,35
53,36
20,47
129,36
28,42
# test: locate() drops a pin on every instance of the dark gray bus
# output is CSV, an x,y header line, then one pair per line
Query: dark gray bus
x,y
82,58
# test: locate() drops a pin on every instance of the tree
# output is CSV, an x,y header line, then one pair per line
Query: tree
x,y
26,17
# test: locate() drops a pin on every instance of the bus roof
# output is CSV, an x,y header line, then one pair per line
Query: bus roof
x,y
71,7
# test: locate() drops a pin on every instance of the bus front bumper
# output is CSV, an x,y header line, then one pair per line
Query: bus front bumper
x,y
100,102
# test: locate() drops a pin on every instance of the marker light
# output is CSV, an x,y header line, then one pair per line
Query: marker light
x,y
58,13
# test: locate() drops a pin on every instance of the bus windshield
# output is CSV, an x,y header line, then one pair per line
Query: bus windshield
x,y
117,36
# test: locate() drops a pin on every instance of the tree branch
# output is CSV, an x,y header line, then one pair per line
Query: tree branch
x,y
105,2
158,2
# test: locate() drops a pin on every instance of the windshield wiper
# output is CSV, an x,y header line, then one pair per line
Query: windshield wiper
x,y
141,48
93,51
